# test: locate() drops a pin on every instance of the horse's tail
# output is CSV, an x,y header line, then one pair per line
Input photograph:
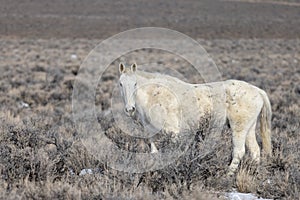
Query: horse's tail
x,y
265,123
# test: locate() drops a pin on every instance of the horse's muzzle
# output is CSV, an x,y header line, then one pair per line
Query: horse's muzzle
x,y
130,110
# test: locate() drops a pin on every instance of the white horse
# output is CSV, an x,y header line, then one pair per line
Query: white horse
x,y
171,104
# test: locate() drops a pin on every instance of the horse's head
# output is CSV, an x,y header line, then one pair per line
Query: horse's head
x,y
128,85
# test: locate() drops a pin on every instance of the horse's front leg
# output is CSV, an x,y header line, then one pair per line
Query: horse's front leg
x,y
142,119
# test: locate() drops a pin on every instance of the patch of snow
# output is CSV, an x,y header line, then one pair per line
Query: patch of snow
x,y
242,196
90,171
85,171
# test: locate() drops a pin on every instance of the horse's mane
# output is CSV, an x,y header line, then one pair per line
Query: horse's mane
x,y
156,75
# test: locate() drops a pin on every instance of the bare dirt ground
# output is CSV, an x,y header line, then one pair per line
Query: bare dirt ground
x,y
42,48
100,19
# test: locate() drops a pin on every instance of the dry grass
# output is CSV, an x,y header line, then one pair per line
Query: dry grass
x,y
36,163
38,149
246,177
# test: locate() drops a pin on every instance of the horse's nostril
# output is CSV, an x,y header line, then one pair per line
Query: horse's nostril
x,y
133,109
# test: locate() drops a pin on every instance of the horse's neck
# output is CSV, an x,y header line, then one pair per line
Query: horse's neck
x,y
143,78
140,77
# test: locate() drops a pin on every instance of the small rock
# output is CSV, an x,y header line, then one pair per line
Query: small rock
x,y
74,56
39,76
51,148
71,172
24,104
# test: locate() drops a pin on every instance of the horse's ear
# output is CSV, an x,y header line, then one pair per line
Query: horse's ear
x,y
133,67
121,68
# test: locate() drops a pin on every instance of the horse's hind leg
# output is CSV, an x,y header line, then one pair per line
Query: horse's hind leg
x,y
243,136
238,140
241,124
252,145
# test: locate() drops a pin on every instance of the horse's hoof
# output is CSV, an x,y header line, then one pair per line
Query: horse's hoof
x,y
153,148
154,151
230,173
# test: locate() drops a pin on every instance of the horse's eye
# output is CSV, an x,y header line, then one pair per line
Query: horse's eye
x,y
135,85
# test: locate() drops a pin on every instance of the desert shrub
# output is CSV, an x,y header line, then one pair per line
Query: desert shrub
x,y
41,157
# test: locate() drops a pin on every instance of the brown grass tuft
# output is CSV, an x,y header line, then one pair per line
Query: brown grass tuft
x,y
246,177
